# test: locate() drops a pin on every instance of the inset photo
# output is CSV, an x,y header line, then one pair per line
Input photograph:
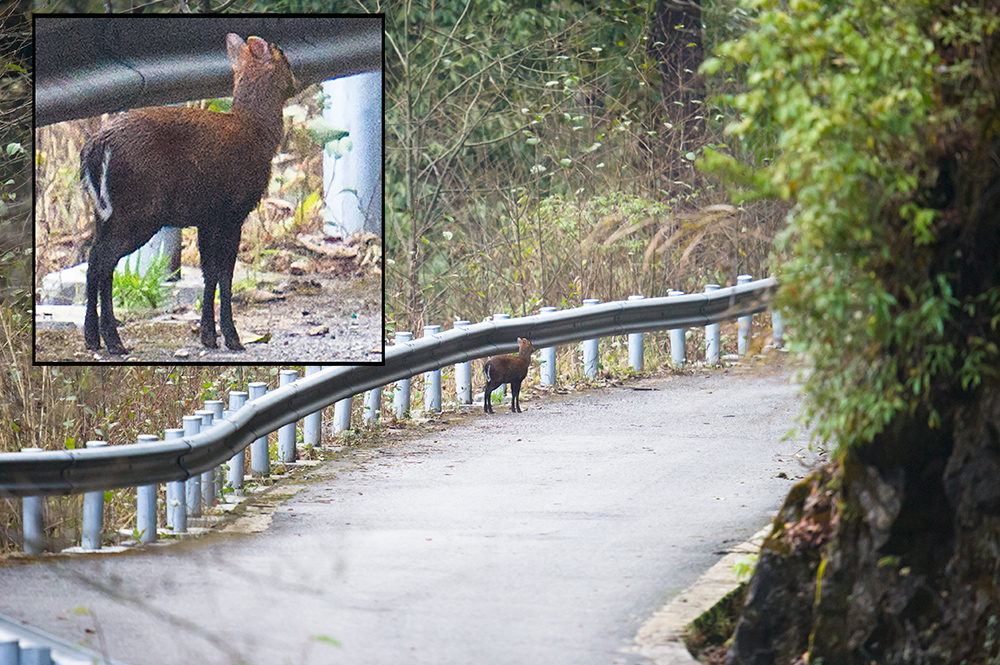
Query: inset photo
x,y
209,190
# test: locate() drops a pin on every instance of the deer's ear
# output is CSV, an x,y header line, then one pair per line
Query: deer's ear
x,y
234,47
258,48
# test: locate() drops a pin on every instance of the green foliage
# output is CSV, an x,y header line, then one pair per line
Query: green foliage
x,y
493,106
744,567
135,291
862,115
326,639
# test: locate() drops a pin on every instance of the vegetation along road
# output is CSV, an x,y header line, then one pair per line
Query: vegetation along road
x,y
545,537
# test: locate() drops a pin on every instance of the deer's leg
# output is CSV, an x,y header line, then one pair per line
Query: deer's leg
x,y
228,248
91,323
487,392
207,247
100,272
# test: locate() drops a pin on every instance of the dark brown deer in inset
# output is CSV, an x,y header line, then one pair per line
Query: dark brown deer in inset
x,y
178,166
499,370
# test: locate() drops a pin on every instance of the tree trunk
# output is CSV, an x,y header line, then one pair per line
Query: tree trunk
x,y
677,46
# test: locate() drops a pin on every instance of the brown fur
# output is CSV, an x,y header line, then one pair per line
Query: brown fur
x,y
499,370
173,166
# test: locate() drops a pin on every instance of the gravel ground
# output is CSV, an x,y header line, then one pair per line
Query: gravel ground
x,y
305,319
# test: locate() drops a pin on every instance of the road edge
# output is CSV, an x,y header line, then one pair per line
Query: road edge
x,y
660,637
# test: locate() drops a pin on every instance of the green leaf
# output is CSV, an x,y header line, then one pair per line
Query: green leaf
x,y
326,639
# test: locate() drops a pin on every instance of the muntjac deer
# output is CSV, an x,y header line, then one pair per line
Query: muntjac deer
x,y
178,166
499,370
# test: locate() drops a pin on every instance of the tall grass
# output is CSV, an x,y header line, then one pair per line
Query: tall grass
x,y
63,407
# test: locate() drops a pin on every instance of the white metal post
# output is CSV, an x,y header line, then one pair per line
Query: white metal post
x,y
547,376
32,509
372,405
463,375
208,490
312,424
590,348
432,379
636,346
237,399
145,503
744,323
286,433
500,316
260,460
176,495
93,512
678,341
401,391
342,414
777,329
713,339
192,426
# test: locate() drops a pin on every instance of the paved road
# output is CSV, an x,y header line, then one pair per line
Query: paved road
x,y
541,538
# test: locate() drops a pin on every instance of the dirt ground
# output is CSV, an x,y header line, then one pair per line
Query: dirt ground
x,y
307,319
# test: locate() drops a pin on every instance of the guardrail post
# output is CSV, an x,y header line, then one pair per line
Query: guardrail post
x,y
463,376
10,651
432,379
36,654
712,337
33,526
590,348
636,346
744,323
373,405
313,422
93,512
260,463
208,489
777,329
145,503
218,410
547,376
342,414
500,316
237,398
216,407
678,339
286,433
176,495
401,391
192,489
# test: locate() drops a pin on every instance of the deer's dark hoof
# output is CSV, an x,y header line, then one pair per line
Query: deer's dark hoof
x,y
112,341
209,342
92,340
117,349
234,345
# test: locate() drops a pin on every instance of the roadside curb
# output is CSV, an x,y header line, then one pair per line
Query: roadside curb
x,y
660,638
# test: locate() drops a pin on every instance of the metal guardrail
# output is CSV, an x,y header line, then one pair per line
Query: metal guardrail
x,y
76,471
86,66
20,643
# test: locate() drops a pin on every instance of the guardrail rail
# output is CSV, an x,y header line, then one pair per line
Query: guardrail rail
x,y
190,459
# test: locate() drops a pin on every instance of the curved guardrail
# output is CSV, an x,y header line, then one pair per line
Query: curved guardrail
x,y
88,65
76,471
